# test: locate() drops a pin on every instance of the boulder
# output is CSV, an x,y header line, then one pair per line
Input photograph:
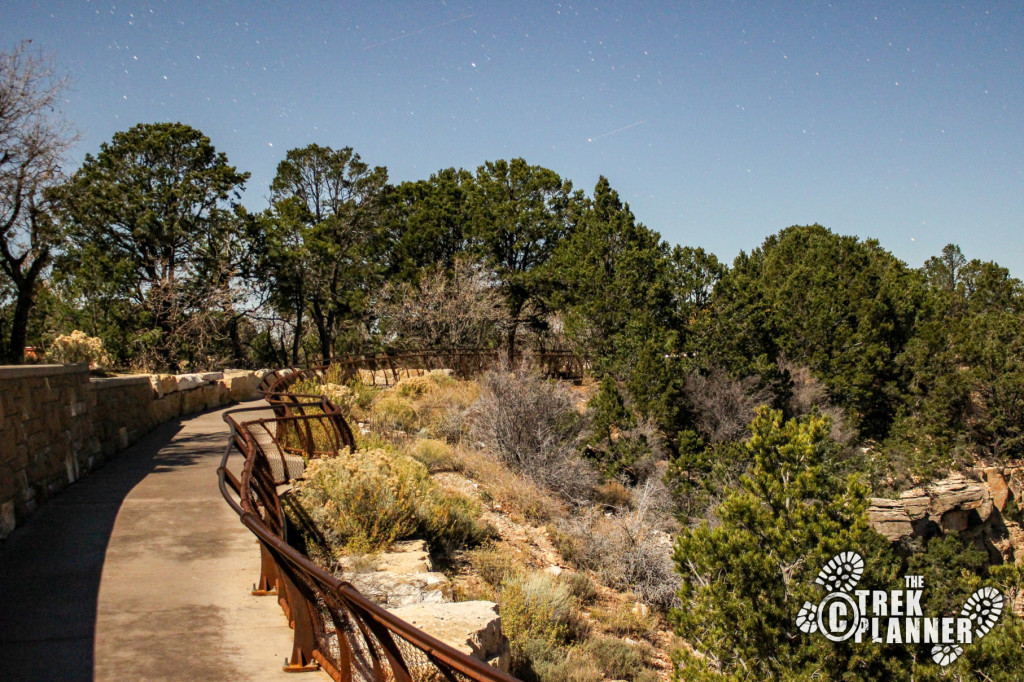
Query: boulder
x,y
997,487
890,518
472,627
959,495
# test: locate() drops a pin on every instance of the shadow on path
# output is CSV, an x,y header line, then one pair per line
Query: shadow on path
x,y
50,568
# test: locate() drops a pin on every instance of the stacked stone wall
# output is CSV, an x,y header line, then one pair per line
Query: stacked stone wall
x,y
44,435
57,424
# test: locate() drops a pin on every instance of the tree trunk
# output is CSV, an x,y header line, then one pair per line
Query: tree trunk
x,y
510,343
297,341
236,342
19,325
322,331
515,309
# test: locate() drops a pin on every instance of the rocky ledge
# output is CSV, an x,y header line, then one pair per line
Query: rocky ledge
x,y
972,505
404,582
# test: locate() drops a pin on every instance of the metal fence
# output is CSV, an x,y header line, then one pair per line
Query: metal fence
x,y
335,627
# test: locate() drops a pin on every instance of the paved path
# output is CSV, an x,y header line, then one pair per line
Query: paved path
x,y
141,572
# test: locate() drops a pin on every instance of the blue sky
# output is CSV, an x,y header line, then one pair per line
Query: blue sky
x,y
720,123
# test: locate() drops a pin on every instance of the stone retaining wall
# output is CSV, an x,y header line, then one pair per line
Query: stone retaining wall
x,y
57,423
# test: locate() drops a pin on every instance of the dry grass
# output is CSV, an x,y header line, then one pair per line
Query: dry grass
x,y
536,609
518,495
433,403
625,619
433,454
624,549
494,565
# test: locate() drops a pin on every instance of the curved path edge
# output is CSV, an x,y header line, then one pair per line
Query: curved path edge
x,y
140,571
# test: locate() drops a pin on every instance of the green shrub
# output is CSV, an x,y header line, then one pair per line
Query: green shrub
x,y
542,662
602,658
362,502
538,608
580,586
450,521
494,566
413,387
363,393
433,454
616,659
391,412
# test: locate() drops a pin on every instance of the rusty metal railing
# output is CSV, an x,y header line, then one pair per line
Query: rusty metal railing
x,y
335,627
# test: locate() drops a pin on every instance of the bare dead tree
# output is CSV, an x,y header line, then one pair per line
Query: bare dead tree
x,y
723,406
34,137
458,309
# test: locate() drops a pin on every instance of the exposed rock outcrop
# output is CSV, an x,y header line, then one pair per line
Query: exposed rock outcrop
x,y
403,580
890,518
971,505
402,577
472,627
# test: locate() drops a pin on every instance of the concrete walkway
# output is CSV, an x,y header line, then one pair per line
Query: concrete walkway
x,y
141,572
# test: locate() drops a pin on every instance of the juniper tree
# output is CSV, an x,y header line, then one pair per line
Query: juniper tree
x,y
745,579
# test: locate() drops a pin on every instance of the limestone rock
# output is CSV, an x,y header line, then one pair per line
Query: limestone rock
x,y
472,627
243,385
890,518
1015,482
163,384
954,503
400,577
409,556
997,487
393,590
915,502
1016,538
960,495
192,402
187,382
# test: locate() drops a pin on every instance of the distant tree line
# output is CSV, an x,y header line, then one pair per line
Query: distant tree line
x,y
147,246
